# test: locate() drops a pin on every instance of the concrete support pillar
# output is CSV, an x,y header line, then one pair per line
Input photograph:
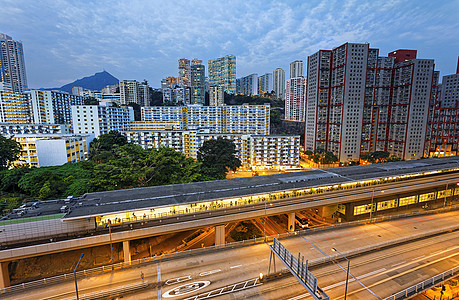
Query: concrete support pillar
x,y
219,235
291,222
126,251
4,275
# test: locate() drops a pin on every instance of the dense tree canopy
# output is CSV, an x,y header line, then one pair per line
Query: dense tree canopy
x,y
379,157
131,166
9,151
105,142
91,101
217,157
322,156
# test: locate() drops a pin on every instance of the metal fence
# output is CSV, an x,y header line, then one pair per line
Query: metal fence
x,y
297,268
425,285
122,265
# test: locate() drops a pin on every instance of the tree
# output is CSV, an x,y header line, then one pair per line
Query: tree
x,y
156,98
43,183
131,166
100,148
9,151
9,179
329,158
91,101
137,113
217,156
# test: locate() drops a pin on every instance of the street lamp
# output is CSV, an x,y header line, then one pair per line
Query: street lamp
x,y
74,275
111,244
347,273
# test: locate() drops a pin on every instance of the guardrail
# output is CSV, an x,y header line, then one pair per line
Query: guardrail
x,y
122,265
425,285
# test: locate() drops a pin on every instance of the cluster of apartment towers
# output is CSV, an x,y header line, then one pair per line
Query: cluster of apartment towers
x,y
55,127
352,101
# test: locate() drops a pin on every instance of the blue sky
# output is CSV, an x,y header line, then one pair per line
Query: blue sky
x,y
139,39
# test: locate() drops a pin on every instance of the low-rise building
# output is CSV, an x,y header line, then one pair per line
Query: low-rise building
x,y
254,151
42,150
14,129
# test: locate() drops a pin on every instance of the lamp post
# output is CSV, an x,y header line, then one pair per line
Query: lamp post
x,y
264,222
347,273
74,275
111,244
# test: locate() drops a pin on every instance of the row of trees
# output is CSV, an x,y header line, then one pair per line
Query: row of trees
x,y
116,164
321,156
379,157
327,157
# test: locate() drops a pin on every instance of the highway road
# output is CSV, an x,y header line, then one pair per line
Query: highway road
x,y
381,272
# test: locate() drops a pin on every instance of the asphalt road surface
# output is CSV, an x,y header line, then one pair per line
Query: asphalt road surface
x,y
379,273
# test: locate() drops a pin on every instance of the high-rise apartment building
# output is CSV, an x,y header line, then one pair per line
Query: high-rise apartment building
x,y
178,95
279,83
78,91
184,77
216,96
168,83
52,107
296,69
358,102
14,107
12,65
132,91
295,99
222,72
247,85
198,77
442,137
164,84
100,119
265,83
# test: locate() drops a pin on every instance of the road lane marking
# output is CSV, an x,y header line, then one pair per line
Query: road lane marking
x,y
235,266
418,257
352,279
186,289
405,272
398,264
209,272
299,297
178,280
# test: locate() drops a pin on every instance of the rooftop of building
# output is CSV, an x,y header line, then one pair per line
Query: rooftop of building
x,y
102,203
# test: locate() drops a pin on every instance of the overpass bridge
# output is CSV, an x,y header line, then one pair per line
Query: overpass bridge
x,y
348,193
386,257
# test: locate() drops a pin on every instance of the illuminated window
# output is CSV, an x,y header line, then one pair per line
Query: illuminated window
x,y
427,197
407,200
387,204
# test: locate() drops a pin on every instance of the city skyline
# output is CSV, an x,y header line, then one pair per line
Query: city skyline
x,y
142,40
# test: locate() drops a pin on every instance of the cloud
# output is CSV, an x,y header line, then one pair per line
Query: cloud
x,y
144,39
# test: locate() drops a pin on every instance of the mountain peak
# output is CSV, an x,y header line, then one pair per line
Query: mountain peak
x,y
94,82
